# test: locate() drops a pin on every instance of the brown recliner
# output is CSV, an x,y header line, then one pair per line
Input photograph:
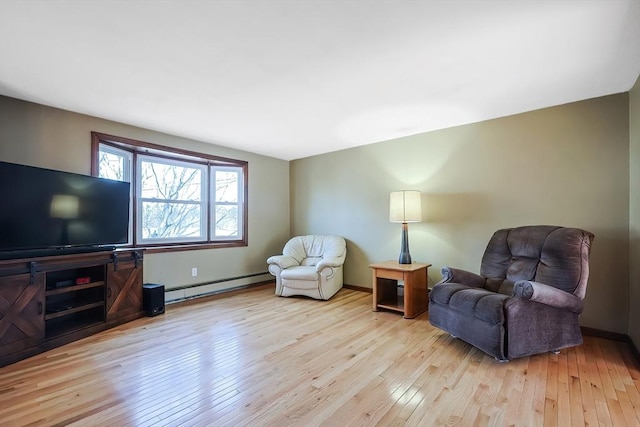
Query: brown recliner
x,y
528,295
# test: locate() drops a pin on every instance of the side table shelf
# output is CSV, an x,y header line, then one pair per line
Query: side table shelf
x,y
386,275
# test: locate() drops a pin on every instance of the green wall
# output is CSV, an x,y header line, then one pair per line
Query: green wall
x,y
48,137
634,213
566,165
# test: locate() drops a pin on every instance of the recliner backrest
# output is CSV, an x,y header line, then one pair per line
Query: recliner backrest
x,y
556,256
309,250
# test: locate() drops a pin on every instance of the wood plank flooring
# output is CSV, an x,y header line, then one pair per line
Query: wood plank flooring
x,y
255,359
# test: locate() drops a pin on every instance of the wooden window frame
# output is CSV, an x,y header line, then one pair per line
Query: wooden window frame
x,y
141,147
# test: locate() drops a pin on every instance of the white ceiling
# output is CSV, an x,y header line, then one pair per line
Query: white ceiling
x,y
295,78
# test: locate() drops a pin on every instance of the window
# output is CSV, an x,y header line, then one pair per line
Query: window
x,y
227,211
172,201
178,197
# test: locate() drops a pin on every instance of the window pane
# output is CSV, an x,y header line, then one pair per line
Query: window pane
x,y
171,220
111,166
226,183
226,221
170,182
116,164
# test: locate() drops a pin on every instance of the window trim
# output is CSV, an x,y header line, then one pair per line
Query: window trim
x,y
141,147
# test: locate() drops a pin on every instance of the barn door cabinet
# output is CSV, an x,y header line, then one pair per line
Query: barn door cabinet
x,y
124,290
49,301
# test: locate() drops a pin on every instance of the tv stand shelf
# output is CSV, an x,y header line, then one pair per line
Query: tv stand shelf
x,y
46,302
74,288
71,310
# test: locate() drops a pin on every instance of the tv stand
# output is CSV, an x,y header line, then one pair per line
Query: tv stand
x,y
48,301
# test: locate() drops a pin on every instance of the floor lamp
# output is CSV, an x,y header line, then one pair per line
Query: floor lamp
x,y
405,206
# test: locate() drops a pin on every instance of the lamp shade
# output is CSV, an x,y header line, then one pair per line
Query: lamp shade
x,y
405,206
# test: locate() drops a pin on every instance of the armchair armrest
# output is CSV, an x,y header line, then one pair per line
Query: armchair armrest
x,y
456,275
282,261
329,262
548,295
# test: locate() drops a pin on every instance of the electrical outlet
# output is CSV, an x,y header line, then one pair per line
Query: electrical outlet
x,y
194,271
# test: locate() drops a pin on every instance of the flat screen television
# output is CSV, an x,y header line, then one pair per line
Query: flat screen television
x,y
47,212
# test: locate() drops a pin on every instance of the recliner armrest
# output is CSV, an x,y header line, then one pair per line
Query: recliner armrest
x,y
548,295
329,262
456,275
282,261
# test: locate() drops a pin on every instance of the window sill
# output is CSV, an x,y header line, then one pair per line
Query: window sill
x,y
153,249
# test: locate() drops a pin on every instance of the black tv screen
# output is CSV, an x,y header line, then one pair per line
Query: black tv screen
x,y
48,209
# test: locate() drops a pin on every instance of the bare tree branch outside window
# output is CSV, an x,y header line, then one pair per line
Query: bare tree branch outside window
x,y
171,200
111,166
226,202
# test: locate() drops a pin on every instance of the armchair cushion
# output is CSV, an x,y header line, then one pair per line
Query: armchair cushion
x,y
442,293
300,272
479,303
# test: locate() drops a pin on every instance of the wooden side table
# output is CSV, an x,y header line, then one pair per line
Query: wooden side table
x,y
385,287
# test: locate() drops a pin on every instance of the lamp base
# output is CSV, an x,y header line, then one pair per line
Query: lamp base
x,y
405,256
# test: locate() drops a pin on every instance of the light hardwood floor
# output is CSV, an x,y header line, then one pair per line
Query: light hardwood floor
x,y
260,360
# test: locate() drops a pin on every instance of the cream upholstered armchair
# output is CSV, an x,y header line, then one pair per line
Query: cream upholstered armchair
x,y
309,265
